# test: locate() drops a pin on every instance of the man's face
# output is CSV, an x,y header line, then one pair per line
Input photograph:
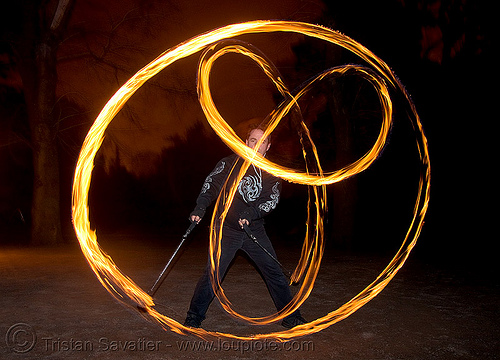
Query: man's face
x,y
254,137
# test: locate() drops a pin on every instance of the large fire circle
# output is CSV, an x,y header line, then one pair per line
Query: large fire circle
x,y
377,73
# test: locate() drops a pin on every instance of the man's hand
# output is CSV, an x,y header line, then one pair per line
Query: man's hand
x,y
197,214
243,222
195,218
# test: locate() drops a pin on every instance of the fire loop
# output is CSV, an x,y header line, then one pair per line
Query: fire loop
x,y
213,45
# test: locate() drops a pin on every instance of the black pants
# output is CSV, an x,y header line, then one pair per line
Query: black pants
x,y
232,241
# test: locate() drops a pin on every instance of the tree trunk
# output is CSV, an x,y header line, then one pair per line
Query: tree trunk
x,y
37,52
45,210
344,193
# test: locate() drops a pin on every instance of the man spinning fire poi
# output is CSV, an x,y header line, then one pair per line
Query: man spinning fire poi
x,y
257,195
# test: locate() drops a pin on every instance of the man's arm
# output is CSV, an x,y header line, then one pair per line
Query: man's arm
x,y
266,203
210,190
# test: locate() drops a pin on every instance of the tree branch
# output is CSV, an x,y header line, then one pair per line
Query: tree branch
x,y
63,8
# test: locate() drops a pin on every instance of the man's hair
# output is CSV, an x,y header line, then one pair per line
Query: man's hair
x,y
256,126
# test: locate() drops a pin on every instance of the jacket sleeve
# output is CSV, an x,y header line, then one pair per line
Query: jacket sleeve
x,y
213,184
270,197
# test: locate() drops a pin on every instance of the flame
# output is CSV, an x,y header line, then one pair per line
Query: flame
x,y
377,73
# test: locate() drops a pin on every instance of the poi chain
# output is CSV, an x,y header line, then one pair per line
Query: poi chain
x,y
379,75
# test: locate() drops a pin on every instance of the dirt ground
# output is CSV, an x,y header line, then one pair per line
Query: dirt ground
x,y
53,307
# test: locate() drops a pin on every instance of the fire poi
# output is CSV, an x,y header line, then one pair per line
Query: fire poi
x,y
213,45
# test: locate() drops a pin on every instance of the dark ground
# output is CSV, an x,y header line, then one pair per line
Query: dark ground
x,y
426,312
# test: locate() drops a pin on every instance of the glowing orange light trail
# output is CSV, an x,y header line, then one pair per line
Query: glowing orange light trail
x,y
125,290
310,252
228,136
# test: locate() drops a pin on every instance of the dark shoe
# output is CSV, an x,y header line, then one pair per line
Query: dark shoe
x,y
192,322
291,322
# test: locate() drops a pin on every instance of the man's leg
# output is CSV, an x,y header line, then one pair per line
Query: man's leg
x,y
203,293
273,275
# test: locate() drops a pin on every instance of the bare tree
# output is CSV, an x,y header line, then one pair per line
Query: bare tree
x,y
32,33
34,44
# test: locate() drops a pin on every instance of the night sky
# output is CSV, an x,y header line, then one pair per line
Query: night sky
x,y
159,148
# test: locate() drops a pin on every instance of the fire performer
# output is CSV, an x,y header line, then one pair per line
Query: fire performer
x,y
257,195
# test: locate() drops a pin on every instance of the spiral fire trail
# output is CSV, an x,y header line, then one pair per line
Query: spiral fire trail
x,y
379,75
310,252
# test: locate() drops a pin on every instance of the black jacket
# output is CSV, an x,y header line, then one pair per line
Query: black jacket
x,y
257,195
